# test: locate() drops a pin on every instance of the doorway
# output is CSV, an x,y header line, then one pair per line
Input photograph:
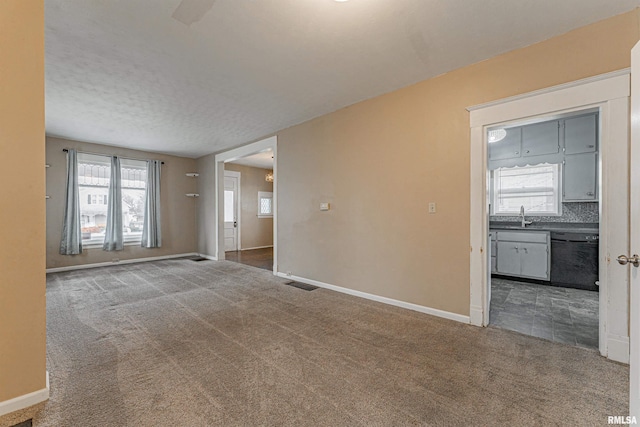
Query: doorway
x,y
253,220
265,203
544,209
609,95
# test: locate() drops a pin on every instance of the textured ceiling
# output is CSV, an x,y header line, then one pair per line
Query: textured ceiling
x,y
262,160
125,72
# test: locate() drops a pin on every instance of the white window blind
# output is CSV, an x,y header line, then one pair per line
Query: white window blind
x,y
537,188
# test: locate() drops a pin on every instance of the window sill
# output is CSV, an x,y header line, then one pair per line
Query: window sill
x,y
95,245
265,216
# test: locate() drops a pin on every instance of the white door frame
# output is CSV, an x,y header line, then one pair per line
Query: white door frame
x,y
270,143
610,93
238,207
634,363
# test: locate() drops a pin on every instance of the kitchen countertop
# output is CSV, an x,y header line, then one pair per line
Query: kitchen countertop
x,y
576,227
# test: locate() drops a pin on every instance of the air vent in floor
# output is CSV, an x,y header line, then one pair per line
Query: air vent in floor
x,y
199,258
302,286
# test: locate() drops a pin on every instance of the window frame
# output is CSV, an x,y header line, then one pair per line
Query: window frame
x,y
558,193
86,158
265,195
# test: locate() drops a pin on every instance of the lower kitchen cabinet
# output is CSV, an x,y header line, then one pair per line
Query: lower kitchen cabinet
x,y
523,254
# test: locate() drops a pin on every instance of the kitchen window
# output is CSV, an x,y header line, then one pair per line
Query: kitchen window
x,y
537,188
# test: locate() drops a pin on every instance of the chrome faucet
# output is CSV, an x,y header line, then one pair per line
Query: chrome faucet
x,y
524,223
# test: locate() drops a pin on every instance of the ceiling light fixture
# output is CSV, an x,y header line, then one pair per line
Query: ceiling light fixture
x,y
269,177
496,135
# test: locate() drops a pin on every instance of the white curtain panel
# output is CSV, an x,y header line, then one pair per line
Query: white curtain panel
x,y
71,242
114,236
152,230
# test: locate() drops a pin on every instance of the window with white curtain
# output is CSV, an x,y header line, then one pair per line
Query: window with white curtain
x,y
265,204
537,188
94,174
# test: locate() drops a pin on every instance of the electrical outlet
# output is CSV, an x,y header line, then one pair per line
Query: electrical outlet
x,y
288,273
115,260
432,207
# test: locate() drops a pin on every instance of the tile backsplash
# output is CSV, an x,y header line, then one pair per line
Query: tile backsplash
x,y
571,212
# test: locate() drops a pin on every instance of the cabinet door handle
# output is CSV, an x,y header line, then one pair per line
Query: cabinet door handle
x,y
526,152
590,193
590,146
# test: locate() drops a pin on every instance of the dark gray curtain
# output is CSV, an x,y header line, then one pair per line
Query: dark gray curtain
x,y
152,230
71,242
113,236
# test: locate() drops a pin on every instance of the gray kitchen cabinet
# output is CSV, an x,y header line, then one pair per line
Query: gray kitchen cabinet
x,y
534,260
494,252
523,254
541,138
508,261
581,134
509,147
580,177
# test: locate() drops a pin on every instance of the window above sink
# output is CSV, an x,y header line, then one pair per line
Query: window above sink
x,y
537,188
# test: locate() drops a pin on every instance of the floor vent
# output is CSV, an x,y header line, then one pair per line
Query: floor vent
x,y
302,286
199,258
27,423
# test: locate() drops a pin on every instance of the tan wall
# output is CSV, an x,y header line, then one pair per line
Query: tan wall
x,y
206,205
178,211
255,232
22,215
380,162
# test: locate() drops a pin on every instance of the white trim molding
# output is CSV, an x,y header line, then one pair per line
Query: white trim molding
x,y
257,247
410,306
609,94
26,400
124,261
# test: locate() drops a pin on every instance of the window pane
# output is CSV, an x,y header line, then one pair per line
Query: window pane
x,y
534,187
93,185
228,206
265,206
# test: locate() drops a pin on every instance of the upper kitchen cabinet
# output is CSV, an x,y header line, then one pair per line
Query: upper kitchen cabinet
x,y
581,134
507,148
580,177
541,138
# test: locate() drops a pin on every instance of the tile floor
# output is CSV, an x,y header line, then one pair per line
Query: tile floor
x,y
565,315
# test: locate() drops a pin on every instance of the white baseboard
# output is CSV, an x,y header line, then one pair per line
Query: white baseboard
x,y
415,307
257,247
475,316
211,257
618,348
25,400
124,261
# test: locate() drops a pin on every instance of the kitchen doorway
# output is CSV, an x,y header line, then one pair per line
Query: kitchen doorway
x,y
544,204
609,96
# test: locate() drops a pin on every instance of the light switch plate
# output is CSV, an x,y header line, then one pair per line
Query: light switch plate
x,y
432,207
324,206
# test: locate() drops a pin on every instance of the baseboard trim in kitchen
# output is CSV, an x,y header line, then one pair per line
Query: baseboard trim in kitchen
x,y
410,306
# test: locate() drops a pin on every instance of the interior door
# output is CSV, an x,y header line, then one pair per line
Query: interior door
x,y
231,190
634,311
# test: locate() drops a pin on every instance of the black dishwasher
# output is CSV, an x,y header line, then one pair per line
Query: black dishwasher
x,y
574,260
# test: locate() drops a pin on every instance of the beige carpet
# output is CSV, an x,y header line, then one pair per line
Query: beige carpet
x,y
184,343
